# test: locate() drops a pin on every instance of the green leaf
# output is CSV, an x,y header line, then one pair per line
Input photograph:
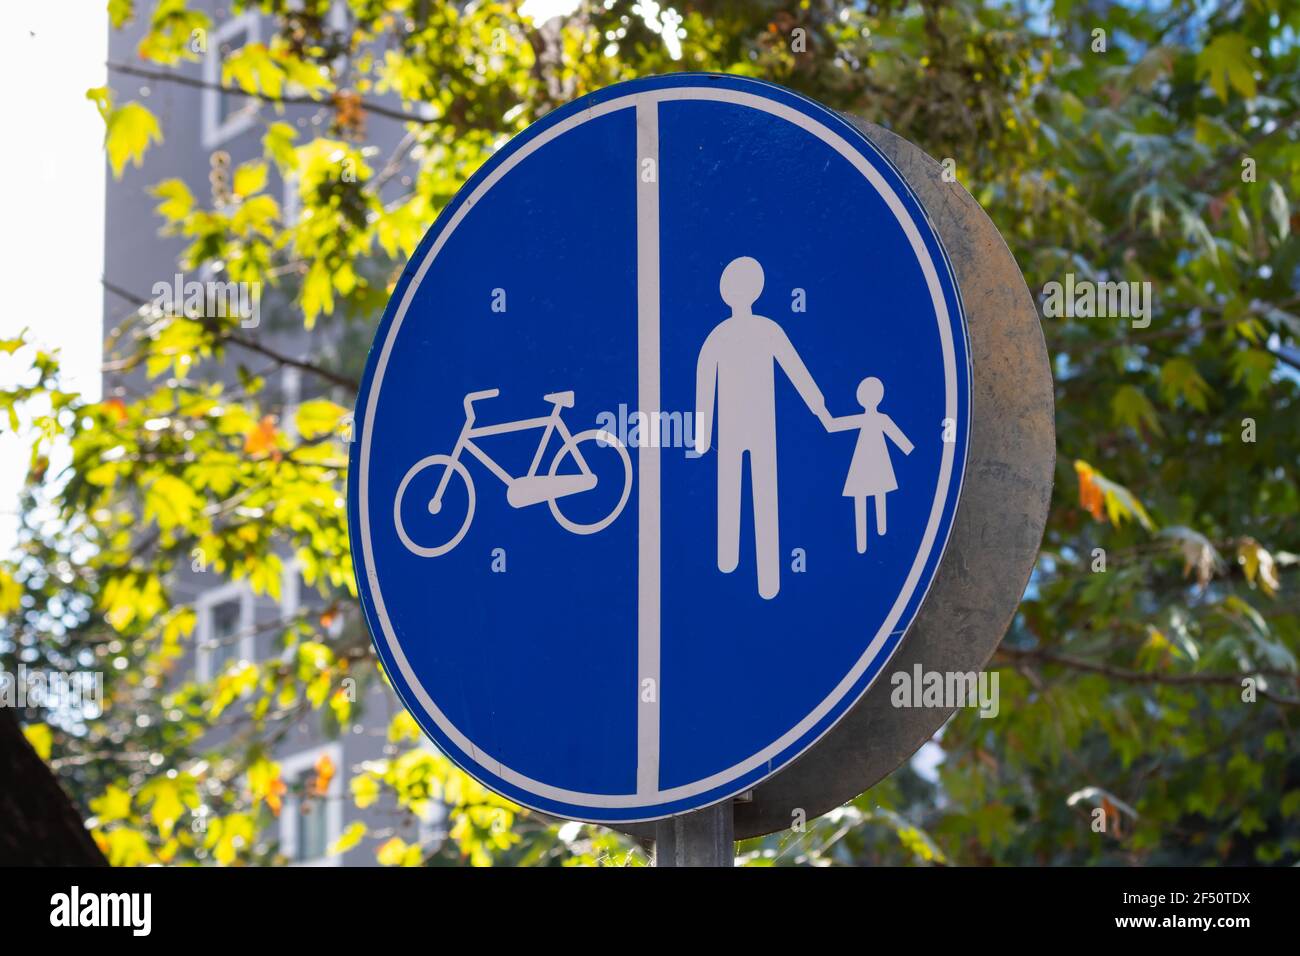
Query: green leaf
x,y
1227,61
1130,407
1254,368
1180,379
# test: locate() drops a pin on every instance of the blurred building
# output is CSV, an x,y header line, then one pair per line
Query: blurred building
x,y
208,133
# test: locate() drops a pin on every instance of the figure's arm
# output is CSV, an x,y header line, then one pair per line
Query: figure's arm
x,y
896,433
799,376
842,424
706,380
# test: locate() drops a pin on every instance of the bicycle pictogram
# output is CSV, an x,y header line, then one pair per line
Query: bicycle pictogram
x,y
523,490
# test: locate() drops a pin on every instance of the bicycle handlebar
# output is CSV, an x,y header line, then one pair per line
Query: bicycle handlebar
x,y
473,397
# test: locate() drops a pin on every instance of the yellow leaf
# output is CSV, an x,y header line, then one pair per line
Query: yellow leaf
x,y
177,202
163,796
1120,503
341,705
227,836
403,727
264,783
318,417
348,838
365,790
278,145
250,178
317,293
131,129
171,502
41,739
397,852
1258,565
115,804
127,847
11,593
390,853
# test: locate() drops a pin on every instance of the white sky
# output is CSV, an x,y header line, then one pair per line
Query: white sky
x,y
52,168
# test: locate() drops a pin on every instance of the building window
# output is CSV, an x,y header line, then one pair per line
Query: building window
x,y
291,207
223,649
311,820
226,115
225,629
311,839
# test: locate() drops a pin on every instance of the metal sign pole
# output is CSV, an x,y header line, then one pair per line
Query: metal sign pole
x,y
703,838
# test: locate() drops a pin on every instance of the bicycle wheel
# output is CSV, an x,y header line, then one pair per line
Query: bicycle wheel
x,y
594,435
425,464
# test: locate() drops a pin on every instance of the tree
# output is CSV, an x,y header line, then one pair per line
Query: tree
x,y
1149,682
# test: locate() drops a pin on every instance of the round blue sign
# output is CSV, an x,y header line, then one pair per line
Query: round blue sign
x,y
658,447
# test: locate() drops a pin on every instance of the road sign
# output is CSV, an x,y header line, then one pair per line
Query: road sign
x,y
658,447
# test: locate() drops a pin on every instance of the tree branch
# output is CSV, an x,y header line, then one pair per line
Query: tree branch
x,y
1044,656
235,338
370,106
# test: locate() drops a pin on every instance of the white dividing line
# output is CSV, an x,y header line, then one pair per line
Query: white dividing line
x,y
647,300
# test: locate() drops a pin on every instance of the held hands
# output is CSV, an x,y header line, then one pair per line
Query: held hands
x,y
824,416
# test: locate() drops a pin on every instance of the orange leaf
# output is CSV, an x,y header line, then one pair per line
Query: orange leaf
x,y
116,409
262,437
1113,818
1090,495
324,774
275,791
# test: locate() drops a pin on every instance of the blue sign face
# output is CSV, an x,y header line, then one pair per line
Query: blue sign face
x,y
658,447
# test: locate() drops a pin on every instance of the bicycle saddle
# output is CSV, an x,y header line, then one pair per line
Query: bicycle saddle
x,y
563,399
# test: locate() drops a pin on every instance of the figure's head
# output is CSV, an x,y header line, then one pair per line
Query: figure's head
x,y
742,283
870,392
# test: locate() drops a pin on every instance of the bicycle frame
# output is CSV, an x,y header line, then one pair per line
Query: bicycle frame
x,y
465,442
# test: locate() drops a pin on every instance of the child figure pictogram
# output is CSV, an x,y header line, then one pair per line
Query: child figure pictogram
x,y
871,473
